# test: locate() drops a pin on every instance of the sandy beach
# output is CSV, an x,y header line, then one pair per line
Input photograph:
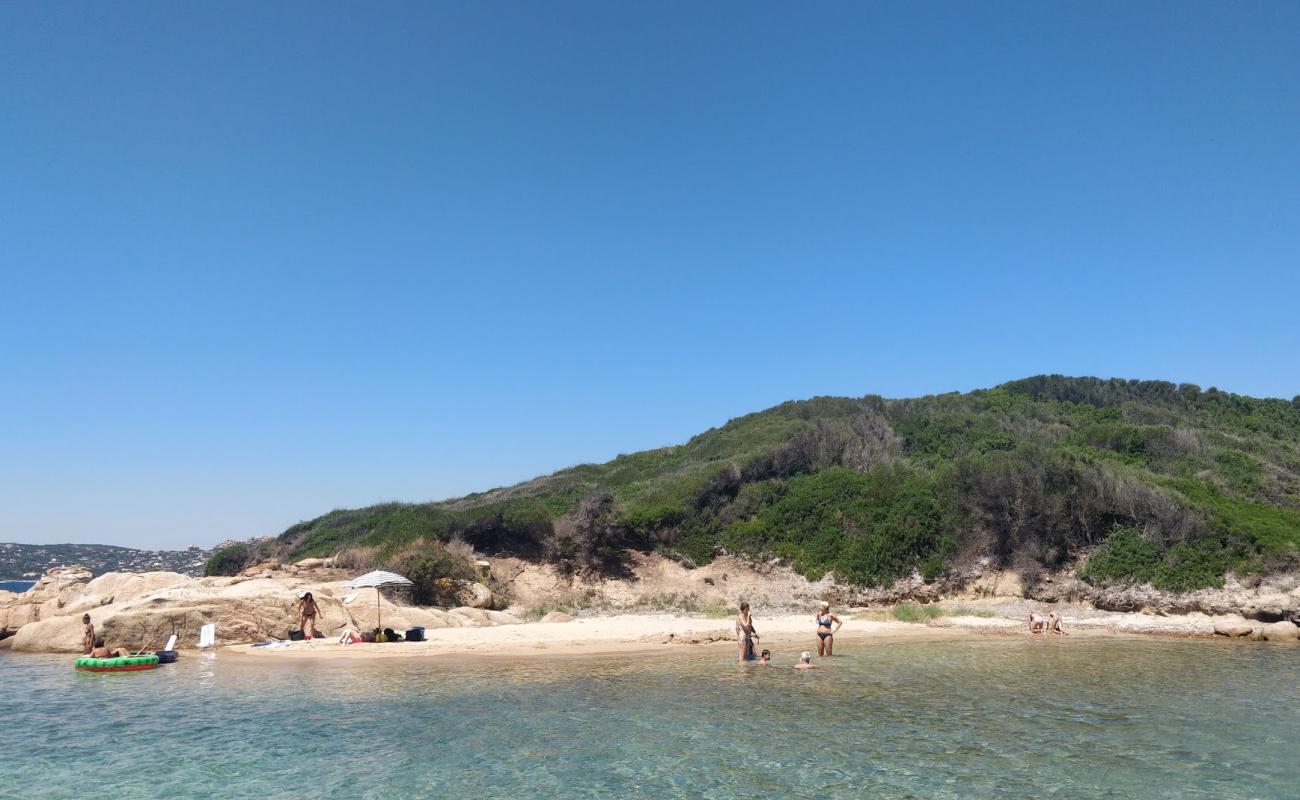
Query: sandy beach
x,y
785,635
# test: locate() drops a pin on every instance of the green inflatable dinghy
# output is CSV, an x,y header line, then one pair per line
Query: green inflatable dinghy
x,y
119,664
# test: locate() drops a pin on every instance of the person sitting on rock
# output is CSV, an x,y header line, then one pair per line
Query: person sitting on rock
x,y
1037,623
1054,623
88,637
100,651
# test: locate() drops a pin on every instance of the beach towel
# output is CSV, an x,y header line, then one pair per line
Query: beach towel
x,y
208,635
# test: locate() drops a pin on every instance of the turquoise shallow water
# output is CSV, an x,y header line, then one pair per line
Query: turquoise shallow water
x,y
1004,718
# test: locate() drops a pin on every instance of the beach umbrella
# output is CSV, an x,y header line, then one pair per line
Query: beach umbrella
x,y
377,579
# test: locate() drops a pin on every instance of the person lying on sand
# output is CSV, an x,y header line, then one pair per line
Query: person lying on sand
x,y
805,661
1037,624
745,633
1054,623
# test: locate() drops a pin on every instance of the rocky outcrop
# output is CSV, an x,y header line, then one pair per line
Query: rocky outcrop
x,y
1284,631
557,616
1233,629
142,610
468,593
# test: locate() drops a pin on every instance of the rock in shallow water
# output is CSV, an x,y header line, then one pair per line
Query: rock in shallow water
x,y
1285,631
1232,629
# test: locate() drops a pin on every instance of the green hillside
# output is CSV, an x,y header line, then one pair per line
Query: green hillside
x,y
1160,482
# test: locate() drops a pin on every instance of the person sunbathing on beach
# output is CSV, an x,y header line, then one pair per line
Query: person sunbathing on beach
x,y
1037,624
805,661
825,633
745,634
1054,623
100,651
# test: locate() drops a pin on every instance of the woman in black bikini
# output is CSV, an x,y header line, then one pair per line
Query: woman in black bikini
x,y
825,633
307,611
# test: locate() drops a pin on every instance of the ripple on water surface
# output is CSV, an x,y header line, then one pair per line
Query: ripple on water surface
x,y
1004,718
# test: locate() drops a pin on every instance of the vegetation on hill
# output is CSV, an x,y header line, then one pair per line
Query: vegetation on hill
x,y
1160,483
32,560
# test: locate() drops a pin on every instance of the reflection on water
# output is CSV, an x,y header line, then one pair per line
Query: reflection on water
x,y
1005,718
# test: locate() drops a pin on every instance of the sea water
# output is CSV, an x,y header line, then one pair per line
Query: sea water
x,y
994,718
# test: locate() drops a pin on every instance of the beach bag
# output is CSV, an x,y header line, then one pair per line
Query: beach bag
x,y
415,634
296,636
392,635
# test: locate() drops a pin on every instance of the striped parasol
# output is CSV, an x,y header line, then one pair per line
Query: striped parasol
x,y
377,579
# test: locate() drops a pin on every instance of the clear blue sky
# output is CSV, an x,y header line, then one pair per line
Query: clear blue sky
x,y
261,260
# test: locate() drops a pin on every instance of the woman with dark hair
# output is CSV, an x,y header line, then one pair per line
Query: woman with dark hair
x,y
307,610
745,633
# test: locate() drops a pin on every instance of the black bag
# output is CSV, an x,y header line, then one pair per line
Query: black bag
x,y
297,636
392,635
415,634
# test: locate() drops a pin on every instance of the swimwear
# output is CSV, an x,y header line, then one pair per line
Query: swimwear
x,y
823,634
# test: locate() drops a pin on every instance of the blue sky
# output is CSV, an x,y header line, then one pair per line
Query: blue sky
x,y
264,260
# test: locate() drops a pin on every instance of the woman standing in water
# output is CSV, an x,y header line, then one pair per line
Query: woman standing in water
x,y
307,610
745,633
825,633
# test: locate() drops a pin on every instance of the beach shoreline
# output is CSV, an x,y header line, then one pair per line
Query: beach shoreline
x,y
666,634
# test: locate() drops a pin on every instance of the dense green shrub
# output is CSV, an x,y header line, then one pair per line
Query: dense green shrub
x,y
228,560
1127,556
431,569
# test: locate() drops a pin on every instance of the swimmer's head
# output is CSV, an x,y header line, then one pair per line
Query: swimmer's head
x,y
765,655
805,657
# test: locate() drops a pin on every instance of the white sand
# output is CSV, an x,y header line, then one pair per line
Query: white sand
x,y
668,633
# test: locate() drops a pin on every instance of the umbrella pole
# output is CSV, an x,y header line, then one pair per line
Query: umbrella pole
x,y
379,611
